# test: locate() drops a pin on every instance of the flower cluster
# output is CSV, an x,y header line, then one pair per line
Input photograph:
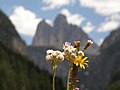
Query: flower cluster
x,y
74,56
68,48
54,56
69,51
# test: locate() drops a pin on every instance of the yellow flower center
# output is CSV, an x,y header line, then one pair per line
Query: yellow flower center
x,y
81,61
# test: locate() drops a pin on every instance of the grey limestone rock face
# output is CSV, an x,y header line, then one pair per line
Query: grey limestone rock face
x,y
111,39
59,33
42,36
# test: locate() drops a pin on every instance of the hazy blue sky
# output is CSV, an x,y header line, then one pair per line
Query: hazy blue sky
x,y
96,17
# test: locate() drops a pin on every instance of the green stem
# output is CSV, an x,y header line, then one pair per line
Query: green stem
x,y
54,74
68,79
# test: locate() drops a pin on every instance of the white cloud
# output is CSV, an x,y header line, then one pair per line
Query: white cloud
x,y
108,26
66,12
75,19
113,17
52,4
88,27
24,20
103,7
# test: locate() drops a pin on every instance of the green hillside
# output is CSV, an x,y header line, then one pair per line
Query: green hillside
x,y
17,73
114,83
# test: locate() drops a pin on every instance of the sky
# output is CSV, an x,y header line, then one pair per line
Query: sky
x,y
97,18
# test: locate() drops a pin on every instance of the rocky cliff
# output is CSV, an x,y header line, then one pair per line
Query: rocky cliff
x,y
9,36
60,32
111,39
108,60
106,64
42,36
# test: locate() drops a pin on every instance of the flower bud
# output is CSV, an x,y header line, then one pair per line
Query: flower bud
x,y
77,43
89,43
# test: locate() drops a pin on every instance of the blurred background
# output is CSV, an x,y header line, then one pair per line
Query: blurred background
x,y
29,27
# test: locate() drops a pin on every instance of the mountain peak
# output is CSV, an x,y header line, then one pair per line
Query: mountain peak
x,y
43,25
60,19
43,22
43,32
111,39
60,32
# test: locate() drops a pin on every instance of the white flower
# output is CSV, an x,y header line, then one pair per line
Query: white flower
x,y
90,41
68,48
81,53
74,50
61,57
49,52
73,56
67,44
54,56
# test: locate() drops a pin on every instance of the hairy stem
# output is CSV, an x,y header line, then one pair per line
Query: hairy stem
x,y
68,79
74,74
54,74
